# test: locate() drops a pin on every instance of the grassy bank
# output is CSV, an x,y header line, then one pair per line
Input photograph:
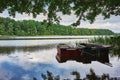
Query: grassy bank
x,y
101,40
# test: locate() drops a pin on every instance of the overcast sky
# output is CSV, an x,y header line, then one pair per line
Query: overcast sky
x,y
112,24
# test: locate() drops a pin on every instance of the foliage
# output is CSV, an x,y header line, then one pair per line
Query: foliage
x,y
90,76
50,76
83,9
32,28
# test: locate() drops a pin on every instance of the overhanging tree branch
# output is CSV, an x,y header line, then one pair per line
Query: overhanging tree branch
x,y
91,8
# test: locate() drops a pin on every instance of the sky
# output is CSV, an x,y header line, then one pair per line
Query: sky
x,y
112,24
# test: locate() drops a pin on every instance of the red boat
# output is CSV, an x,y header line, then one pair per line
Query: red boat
x,y
83,53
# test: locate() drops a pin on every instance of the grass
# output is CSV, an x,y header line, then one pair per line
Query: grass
x,y
100,40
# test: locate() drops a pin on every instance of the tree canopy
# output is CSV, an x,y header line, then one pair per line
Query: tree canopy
x,y
33,28
83,9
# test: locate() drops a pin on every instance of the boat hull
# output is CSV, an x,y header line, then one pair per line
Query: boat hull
x,y
85,54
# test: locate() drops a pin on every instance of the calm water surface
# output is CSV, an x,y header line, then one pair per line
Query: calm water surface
x,y
25,59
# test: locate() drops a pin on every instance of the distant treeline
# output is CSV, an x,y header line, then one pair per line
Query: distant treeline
x,y
33,28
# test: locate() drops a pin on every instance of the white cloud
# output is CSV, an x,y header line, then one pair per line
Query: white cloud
x,y
26,77
100,25
111,24
4,14
68,19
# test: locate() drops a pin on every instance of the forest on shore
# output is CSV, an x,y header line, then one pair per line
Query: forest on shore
x,y
10,27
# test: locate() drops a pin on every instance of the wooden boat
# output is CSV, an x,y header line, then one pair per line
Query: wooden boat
x,y
83,53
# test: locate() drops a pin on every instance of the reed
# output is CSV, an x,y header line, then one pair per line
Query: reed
x,y
101,40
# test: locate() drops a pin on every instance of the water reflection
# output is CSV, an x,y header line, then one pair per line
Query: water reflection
x,y
12,49
26,62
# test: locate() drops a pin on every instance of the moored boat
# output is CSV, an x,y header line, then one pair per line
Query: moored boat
x,y
83,52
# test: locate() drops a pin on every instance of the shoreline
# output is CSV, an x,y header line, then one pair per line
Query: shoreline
x,y
49,37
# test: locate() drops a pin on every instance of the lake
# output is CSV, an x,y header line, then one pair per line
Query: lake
x,y
25,59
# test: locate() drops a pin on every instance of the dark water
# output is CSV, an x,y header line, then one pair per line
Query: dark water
x,y
25,59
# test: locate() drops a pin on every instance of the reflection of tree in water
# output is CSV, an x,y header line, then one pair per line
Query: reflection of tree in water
x,y
6,50
90,76
9,50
